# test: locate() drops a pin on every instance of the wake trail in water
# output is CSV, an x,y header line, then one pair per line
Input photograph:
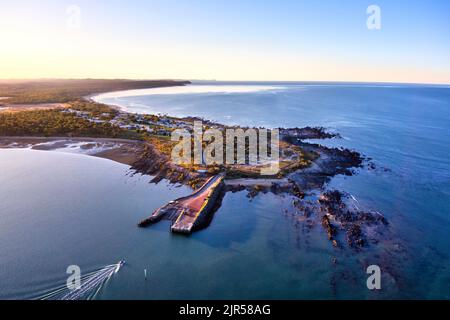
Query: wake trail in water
x,y
91,284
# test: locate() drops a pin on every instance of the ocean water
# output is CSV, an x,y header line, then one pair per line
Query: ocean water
x,y
405,129
59,209
62,209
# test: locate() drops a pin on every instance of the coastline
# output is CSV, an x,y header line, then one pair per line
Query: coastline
x,y
140,159
332,209
298,179
124,151
307,200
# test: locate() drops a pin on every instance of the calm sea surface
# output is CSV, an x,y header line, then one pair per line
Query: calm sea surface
x,y
61,209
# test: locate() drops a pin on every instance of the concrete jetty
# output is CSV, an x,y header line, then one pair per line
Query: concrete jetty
x,y
191,212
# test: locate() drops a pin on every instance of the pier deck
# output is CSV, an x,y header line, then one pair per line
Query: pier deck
x,y
189,212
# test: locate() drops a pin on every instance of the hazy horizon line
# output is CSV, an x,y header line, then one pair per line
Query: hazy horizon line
x,y
230,81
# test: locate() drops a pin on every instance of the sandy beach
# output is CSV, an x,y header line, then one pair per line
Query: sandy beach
x,y
119,150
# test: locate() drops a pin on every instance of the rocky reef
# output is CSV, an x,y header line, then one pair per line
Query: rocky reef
x,y
355,223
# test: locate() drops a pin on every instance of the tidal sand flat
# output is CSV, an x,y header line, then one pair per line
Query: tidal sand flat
x,y
119,150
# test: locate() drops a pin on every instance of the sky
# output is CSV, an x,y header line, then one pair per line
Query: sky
x,y
255,40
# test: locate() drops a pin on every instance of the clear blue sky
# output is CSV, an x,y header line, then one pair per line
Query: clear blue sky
x,y
229,40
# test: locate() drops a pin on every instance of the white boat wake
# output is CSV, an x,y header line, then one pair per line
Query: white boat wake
x,y
91,284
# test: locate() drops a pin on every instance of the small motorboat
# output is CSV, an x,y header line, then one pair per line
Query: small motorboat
x,y
119,265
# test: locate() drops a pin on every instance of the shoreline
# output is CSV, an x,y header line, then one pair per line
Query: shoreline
x,y
298,181
139,158
124,152
306,198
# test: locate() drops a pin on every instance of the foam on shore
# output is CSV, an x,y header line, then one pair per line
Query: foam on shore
x,y
191,89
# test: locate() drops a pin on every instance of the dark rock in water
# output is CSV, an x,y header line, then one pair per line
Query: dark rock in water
x,y
347,216
370,217
234,189
297,192
329,163
331,198
253,192
328,227
355,236
353,221
275,188
308,133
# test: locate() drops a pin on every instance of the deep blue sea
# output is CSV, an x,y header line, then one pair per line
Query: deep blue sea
x,y
60,209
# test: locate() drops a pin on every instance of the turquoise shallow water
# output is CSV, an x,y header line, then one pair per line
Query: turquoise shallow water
x,y
60,209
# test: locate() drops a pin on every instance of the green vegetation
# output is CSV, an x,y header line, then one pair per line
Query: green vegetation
x,y
163,144
93,120
92,107
101,111
56,123
61,91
